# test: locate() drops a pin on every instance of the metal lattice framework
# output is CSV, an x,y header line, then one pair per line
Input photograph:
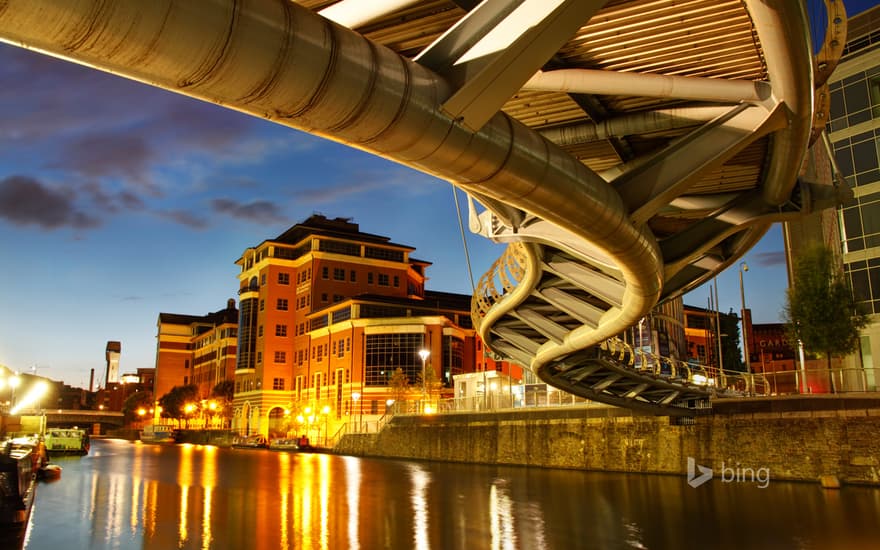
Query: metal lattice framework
x,y
628,149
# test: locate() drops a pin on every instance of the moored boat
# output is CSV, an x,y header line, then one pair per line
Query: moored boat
x,y
250,442
283,444
67,440
298,444
18,471
158,433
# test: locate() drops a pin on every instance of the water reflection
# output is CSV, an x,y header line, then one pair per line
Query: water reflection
x,y
126,495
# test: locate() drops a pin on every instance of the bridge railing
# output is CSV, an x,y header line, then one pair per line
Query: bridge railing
x,y
504,275
715,379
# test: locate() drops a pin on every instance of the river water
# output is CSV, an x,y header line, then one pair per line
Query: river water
x,y
130,495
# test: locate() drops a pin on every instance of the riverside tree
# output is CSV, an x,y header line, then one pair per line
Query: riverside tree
x,y
174,401
820,309
134,402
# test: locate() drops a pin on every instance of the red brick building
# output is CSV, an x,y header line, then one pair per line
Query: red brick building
x,y
328,314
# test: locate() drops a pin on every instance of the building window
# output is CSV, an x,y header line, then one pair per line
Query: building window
x,y
324,297
262,304
278,383
387,352
280,330
453,358
284,278
325,272
280,356
260,331
383,279
263,279
259,357
370,278
282,304
320,353
338,274
247,333
338,298
352,276
396,281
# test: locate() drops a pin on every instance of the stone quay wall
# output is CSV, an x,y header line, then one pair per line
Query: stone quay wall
x,y
806,440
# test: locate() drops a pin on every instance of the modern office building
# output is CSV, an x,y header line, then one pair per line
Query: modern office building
x,y
328,315
195,349
854,128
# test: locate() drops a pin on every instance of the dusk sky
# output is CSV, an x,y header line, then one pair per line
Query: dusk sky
x,y
119,201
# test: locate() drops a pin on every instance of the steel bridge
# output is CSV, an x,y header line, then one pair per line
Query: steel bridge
x,y
628,150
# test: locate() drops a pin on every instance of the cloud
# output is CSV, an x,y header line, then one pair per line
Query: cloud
x,y
83,122
259,211
108,155
26,201
770,259
184,218
391,181
112,202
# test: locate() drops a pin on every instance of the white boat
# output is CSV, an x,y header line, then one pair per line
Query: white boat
x,y
67,440
158,433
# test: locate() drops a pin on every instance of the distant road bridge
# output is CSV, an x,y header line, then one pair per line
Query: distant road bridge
x,y
67,418
629,150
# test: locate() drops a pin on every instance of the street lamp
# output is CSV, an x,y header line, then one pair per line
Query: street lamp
x,y
188,410
356,397
14,382
743,267
326,412
423,353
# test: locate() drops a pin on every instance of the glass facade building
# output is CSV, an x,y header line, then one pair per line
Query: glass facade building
x,y
854,130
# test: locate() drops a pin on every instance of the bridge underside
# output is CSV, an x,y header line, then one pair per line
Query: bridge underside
x,y
629,150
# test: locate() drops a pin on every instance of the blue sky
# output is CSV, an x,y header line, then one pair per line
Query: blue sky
x,y
119,201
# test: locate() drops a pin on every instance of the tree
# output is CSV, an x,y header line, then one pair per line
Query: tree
x,y
820,309
224,392
134,402
432,382
174,401
730,343
399,384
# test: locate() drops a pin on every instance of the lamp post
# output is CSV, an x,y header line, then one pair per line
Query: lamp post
x,y
14,382
743,267
423,353
356,397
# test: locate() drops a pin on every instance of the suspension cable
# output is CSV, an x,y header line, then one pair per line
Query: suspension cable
x,y
467,255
